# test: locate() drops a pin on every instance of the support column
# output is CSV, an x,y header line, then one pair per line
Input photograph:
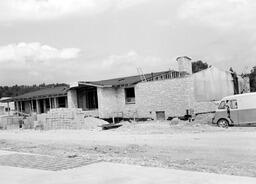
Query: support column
x,y
17,106
72,98
37,107
44,105
50,103
21,106
8,106
32,106
55,102
66,102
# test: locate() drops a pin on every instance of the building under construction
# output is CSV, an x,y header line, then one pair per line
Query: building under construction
x,y
153,95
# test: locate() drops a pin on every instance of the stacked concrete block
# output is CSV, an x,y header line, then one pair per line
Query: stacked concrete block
x,y
10,122
92,113
14,122
79,119
29,122
3,123
62,118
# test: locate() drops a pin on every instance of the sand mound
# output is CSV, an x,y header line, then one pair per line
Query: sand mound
x,y
204,118
174,121
92,123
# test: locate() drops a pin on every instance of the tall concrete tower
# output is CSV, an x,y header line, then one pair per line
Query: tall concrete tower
x,y
184,64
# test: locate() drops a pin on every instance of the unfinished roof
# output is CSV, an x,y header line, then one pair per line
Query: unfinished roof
x,y
5,99
126,81
44,93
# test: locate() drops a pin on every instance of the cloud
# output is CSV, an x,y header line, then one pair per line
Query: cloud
x,y
33,63
122,4
227,30
28,52
126,64
130,59
30,63
224,14
113,60
13,10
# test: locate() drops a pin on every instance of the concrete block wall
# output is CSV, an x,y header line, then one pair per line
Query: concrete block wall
x,y
205,106
172,96
92,113
111,102
127,110
72,98
107,102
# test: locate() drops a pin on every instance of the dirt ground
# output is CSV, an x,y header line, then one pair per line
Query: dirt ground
x,y
197,146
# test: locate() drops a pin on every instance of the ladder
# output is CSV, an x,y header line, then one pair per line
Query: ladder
x,y
142,76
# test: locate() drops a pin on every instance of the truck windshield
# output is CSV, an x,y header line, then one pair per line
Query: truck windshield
x,y
222,105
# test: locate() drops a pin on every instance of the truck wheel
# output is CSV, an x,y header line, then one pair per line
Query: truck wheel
x,y
223,123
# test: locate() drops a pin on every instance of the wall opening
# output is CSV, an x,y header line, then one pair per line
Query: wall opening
x,y
160,115
130,95
34,105
52,103
47,105
41,106
87,98
62,102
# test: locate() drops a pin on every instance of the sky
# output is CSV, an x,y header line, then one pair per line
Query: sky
x,y
50,41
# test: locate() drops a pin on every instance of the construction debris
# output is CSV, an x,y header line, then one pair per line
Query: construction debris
x,y
110,126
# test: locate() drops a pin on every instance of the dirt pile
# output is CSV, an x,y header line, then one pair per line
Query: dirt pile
x,y
200,124
204,118
93,123
144,127
174,121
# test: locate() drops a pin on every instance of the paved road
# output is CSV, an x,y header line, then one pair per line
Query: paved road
x,y
109,173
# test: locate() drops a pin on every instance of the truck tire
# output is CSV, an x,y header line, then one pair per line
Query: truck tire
x,y
223,123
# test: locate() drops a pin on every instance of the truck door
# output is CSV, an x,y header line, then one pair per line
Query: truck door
x,y
234,112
